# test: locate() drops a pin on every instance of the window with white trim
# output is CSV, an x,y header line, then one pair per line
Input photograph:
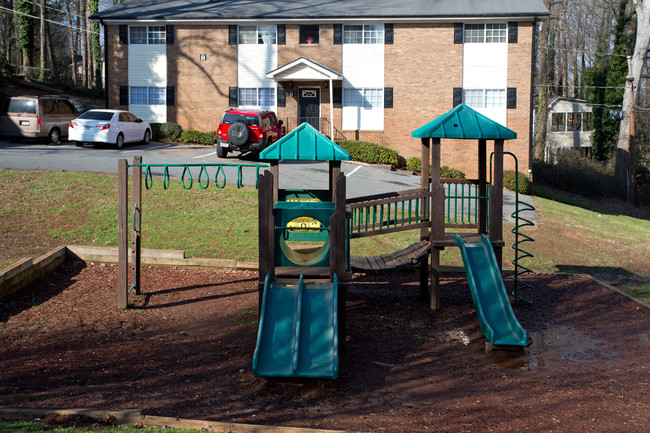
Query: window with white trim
x,y
142,35
363,34
257,97
137,35
485,98
363,109
260,35
141,95
156,35
486,33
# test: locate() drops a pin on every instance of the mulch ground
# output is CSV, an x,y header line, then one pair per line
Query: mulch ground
x,y
186,348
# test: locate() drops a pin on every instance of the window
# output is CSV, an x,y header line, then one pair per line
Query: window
x,y
363,98
486,33
474,33
363,34
473,97
157,96
142,35
148,96
574,121
496,33
157,35
66,107
138,35
257,97
485,98
569,122
261,35
363,109
139,96
309,34
495,98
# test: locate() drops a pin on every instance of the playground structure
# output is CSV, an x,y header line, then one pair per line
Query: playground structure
x,y
302,287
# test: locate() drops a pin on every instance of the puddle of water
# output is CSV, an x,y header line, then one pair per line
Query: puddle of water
x,y
552,346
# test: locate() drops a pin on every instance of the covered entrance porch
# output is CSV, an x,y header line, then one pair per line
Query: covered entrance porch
x,y
306,93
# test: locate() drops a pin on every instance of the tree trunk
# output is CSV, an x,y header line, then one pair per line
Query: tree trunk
x,y
82,42
542,107
71,36
624,174
41,33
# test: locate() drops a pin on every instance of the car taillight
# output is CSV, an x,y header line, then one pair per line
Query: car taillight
x,y
103,126
72,125
38,122
258,131
218,131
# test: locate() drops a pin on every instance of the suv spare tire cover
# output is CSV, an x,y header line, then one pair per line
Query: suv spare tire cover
x,y
238,133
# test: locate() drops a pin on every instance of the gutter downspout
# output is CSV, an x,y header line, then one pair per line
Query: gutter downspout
x,y
331,109
531,116
101,21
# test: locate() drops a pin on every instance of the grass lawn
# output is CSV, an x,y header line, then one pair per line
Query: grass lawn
x,y
40,210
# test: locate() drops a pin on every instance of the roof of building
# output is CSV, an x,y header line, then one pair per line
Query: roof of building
x,y
464,122
305,143
280,10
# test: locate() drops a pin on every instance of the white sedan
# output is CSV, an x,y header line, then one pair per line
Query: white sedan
x,y
108,126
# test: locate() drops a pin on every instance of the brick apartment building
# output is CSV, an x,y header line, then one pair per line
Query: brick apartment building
x,y
369,70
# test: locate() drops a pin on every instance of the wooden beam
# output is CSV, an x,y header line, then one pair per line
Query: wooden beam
x,y
482,186
496,202
123,258
136,236
437,223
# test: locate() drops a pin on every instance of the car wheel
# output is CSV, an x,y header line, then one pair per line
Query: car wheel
x,y
238,133
147,137
120,141
222,152
54,137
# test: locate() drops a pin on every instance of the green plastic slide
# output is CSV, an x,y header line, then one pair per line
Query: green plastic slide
x,y
298,331
495,315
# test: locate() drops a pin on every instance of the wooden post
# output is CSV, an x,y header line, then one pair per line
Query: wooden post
x,y
425,233
136,236
123,258
275,171
338,247
482,186
437,223
496,202
334,170
266,232
339,206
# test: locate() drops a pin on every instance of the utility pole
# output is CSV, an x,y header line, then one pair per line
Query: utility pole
x,y
632,170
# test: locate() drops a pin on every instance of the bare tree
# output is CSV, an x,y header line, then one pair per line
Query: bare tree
x,y
625,169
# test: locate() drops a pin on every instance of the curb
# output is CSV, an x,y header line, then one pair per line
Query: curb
x,y
138,419
18,275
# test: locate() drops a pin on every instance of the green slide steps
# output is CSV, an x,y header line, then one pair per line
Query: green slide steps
x,y
495,315
298,331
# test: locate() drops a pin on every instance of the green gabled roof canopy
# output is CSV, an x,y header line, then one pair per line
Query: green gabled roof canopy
x,y
464,122
305,143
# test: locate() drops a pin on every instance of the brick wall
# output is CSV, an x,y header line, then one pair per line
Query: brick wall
x,y
201,86
325,53
116,66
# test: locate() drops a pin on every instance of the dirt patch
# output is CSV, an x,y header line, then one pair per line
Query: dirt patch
x,y
186,348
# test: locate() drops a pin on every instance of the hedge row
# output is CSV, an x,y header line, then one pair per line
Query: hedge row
x,y
415,164
371,153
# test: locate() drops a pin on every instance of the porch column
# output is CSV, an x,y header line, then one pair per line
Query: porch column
x,y
331,110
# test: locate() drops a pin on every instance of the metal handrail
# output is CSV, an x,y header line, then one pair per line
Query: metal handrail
x,y
520,238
